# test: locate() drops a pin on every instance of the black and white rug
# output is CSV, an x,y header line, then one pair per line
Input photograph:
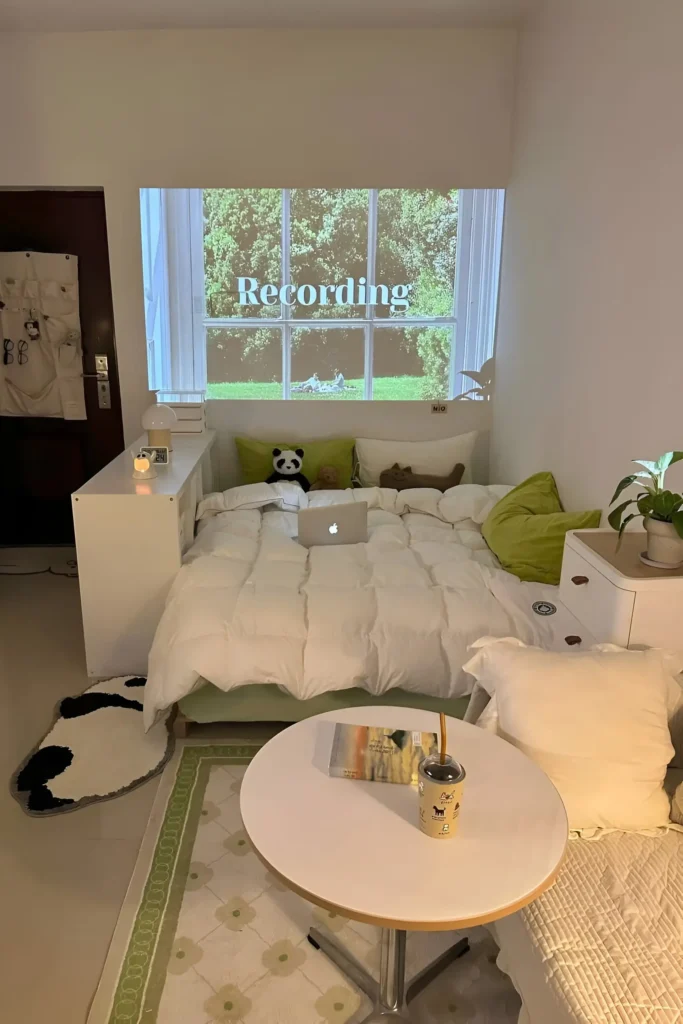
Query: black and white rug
x,y
96,749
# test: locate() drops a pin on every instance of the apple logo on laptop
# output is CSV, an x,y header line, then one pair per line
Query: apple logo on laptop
x,y
334,529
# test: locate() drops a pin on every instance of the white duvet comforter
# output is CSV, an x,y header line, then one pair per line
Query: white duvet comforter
x,y
251,605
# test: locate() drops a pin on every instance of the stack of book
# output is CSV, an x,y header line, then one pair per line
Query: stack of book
x,y
189,408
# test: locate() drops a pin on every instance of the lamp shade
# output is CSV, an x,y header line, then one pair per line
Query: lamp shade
x,y
159,417
159,421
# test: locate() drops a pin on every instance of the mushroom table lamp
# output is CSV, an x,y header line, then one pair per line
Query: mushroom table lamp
x,y
159,421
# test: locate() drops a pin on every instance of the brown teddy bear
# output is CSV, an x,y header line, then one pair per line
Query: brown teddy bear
x,y
402,479
328,480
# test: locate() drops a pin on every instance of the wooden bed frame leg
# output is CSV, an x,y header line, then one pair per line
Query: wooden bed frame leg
x,y
180,725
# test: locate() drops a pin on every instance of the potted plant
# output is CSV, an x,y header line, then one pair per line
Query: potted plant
x,y
661,510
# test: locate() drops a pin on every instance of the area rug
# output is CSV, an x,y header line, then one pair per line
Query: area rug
x,y
208,935
96,749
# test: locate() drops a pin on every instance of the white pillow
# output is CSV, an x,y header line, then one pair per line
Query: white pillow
x,y
435,457
471,501
594,721
288,496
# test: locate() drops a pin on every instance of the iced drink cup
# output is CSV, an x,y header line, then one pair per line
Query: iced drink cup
x,y
440,795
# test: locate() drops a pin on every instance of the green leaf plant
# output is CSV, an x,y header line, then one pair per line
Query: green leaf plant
x,y
653,501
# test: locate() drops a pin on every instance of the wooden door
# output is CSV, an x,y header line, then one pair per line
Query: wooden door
x,y
44,460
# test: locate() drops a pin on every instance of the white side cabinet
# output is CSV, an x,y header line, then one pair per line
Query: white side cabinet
x,y
616,596
130,539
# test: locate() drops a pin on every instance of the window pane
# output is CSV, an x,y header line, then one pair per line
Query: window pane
x,y
242,239
243,362
328,364
416,243
411,362
329,245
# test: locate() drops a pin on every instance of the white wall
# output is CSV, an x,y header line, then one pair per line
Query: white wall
x,y
248,108
589,363
302,421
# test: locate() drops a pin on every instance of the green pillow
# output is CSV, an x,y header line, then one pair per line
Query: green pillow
x,y
526,529
256,458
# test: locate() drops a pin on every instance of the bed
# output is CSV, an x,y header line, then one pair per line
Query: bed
x,y
251,609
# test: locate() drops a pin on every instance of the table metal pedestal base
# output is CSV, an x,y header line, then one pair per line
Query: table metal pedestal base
x,y
390,996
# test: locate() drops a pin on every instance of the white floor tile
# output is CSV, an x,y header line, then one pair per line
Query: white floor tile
x,y
318,969
281,915
232,958
219,786
238,876
198,913
288,1000
366,953
210,843
183,998
368,932
230,818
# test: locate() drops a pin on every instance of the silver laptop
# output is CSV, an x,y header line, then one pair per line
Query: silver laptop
x,y
334,524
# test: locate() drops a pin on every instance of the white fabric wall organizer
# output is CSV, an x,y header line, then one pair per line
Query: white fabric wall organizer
x,y
41,365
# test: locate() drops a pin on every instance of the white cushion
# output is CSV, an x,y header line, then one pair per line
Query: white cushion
x,y
435,457
288,496
594,721
471,501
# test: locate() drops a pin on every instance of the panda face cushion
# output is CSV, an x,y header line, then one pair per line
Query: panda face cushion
x,y
287,466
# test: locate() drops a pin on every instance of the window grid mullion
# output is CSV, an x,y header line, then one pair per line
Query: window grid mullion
x,y
286,331
461,295
324,324
369,347
199,332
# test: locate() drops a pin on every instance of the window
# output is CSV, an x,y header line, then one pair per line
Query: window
x,y
310,294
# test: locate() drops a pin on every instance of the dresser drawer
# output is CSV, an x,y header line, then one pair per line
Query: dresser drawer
x,y
595,601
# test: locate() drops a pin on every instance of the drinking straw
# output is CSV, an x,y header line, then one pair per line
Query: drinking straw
x,y
442,751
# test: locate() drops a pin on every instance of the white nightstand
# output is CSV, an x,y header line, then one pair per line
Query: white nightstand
x,y
618,598
130,539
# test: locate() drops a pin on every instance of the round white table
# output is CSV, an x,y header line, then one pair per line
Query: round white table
x,y
355,847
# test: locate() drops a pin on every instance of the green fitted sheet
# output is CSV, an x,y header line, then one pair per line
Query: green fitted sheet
x,y
260,702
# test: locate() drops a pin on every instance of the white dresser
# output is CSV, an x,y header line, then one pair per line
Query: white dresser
x,y
130,539
616,596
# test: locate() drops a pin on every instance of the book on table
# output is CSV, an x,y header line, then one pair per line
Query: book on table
x,y
379,754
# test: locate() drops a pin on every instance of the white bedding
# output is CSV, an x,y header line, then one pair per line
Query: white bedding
x,y
251,605
604,945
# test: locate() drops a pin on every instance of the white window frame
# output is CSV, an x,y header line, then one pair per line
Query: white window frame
x,y
175,303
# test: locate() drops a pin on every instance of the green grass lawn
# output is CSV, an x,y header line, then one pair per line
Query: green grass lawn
x,y
384,389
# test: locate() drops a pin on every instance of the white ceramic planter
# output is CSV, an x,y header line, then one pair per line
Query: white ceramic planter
x,y
663,543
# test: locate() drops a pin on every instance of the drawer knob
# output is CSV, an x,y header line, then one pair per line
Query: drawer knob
x,y
579,581
572,640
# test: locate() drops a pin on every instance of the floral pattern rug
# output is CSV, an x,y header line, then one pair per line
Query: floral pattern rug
x,y
216,938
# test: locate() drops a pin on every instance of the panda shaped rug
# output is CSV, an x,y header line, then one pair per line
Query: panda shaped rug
x,y
96,749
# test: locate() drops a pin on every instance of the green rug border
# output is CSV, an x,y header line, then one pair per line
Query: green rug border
x,y
143,969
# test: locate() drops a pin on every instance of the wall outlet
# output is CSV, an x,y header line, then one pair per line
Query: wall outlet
x,y
439,407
